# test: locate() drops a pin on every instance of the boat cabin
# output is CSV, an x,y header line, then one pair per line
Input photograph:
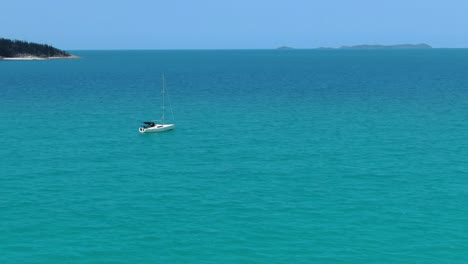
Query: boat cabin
x,y
148,124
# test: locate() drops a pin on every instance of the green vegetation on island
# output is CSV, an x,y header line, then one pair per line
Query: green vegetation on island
x,y
23,49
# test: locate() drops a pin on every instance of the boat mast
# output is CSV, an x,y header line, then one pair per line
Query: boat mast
x,y
163,95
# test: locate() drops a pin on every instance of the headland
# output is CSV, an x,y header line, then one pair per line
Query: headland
x,y
23,50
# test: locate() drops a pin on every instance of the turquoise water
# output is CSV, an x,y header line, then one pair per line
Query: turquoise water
x,y
301,156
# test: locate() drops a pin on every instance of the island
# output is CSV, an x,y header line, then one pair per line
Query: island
x,y
284,48
24,50
398,46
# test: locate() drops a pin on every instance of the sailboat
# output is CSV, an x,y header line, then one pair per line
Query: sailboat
x,y
153,126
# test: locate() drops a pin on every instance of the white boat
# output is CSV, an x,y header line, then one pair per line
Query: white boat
x,y
154,126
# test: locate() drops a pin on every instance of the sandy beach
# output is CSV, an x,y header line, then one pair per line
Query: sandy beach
x,y
28,58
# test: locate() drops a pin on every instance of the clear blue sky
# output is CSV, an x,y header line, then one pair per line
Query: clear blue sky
x,y
236,24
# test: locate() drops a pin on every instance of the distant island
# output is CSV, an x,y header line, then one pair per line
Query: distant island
x,y
284,48
23,50
370,47
398,46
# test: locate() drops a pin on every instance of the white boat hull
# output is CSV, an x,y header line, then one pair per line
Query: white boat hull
x,y
156,128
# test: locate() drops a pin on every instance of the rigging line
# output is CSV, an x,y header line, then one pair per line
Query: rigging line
x,y
170,105
163,95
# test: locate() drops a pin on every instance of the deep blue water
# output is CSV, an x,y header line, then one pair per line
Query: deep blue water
x,y
302,156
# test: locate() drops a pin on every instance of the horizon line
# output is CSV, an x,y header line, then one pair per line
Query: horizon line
x,y
213,49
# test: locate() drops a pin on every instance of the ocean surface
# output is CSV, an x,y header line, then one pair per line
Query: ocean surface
x,y
279,156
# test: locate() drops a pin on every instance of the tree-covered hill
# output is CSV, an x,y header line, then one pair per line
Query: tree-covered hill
x,y
17,48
